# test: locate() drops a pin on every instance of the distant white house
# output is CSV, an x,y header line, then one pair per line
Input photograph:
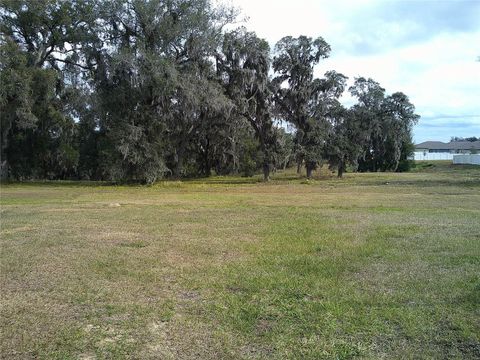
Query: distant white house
x,y
437,150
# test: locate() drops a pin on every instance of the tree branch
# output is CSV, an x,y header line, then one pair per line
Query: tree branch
x,y
73,63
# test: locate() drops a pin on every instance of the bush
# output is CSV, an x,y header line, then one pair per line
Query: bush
x,y
405,165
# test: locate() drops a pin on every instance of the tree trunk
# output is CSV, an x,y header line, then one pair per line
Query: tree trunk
x,y
208,169
395,167
341,170
207,165
177,172
266,172
310,167
299,167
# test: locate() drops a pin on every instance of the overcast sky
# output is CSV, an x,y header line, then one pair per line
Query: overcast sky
x,y
427,49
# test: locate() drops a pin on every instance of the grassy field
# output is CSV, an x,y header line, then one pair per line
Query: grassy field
x,y
371,266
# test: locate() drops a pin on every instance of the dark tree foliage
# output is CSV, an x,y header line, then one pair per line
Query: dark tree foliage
x,y
38,40
385,123
137,90
300,102
343,147
243,65
38,136
471,139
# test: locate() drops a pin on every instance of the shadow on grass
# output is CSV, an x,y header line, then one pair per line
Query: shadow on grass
x,y
220,180
442,166
451,175
421,183
56,183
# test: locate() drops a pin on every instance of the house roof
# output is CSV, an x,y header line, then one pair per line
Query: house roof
x,y
453,145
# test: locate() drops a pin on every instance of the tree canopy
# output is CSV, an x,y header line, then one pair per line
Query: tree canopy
x,y
138,90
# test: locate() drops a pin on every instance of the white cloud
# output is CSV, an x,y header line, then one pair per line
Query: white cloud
x,y
430,58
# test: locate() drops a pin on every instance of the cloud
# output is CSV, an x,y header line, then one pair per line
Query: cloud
x,y
382,25
457,124
426,49
433,16
443,132
450,117
440,76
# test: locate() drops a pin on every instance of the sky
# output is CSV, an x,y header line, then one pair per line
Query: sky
x,y
429,49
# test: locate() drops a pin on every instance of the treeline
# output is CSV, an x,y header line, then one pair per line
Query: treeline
x,y
137,90
461,139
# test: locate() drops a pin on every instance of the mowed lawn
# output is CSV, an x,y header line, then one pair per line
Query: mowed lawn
x,y
371,266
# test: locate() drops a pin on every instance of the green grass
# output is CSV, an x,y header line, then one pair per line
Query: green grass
x,y
377,265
